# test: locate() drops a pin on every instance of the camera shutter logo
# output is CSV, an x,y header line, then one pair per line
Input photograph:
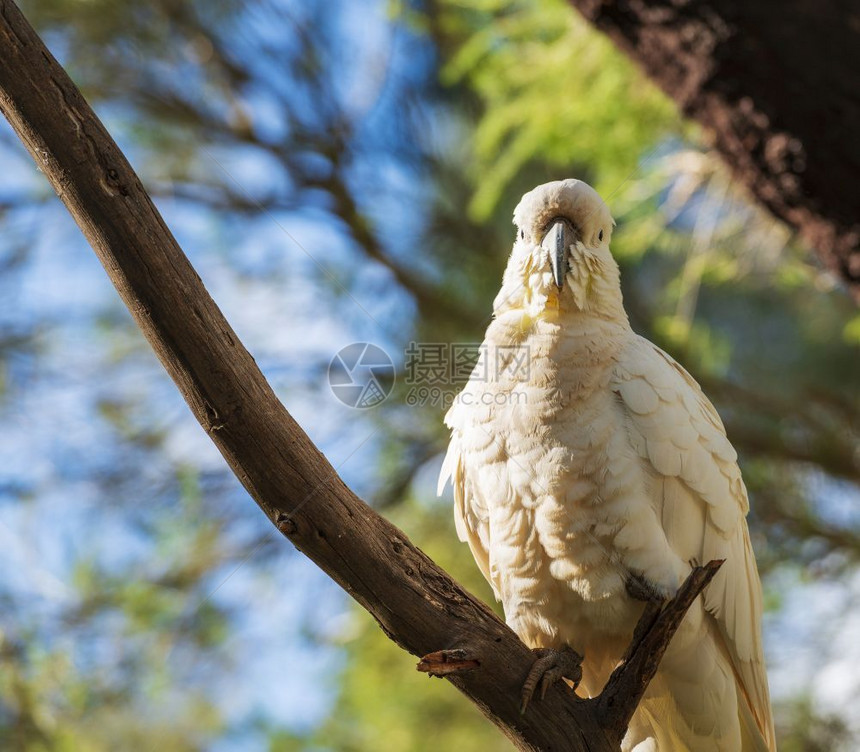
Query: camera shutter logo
x,y
361,375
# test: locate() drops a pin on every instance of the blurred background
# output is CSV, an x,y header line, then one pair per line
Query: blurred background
x,y
345,172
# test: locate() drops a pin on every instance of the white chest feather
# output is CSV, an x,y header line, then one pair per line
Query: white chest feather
x,y
561,492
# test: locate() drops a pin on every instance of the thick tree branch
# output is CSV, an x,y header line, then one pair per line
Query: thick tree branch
x,y
416,603
775,83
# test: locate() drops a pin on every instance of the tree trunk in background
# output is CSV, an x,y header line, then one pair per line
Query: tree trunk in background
x,y
777,85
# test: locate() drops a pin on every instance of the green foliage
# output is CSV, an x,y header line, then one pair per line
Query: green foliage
x,y
112,671
801,729
553,91
49,703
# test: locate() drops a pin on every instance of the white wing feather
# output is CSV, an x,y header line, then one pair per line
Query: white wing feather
x,y
701,500
470,515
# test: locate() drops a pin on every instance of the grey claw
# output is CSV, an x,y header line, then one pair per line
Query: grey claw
x,y
551,666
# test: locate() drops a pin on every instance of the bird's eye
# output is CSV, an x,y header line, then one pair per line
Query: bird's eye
x,y
600,235
522,234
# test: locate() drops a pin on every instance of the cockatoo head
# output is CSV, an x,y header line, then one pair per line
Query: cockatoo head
x,y
561,259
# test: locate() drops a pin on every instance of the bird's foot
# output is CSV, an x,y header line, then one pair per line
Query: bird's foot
x,y
550,666
641,589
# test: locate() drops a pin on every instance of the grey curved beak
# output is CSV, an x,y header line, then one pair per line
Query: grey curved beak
x,y
557,242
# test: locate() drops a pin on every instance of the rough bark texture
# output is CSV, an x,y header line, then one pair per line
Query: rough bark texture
x,y
417,604
776,84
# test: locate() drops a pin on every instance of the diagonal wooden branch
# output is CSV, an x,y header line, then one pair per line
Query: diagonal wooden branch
x,y
416,603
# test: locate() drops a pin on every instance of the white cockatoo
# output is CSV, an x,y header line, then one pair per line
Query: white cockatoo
x,y
588,465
